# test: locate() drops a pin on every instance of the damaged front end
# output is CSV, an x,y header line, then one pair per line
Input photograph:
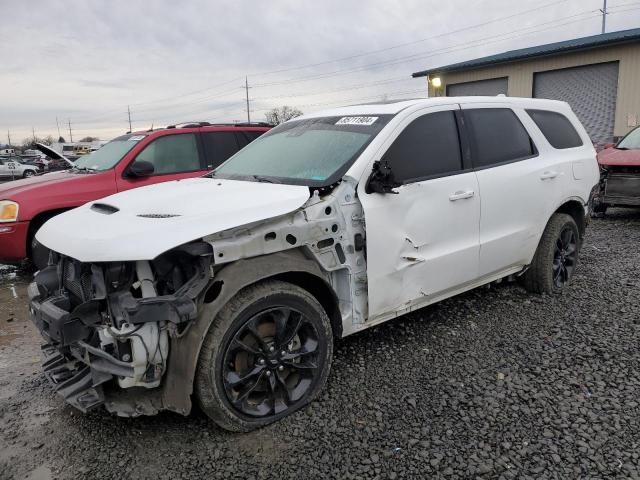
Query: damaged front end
x,y
619,186
107,325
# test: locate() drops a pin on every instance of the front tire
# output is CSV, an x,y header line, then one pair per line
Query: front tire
x,y
556,257
28,173
267,354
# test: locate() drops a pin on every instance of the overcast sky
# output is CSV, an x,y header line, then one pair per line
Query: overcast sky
x,y
174,61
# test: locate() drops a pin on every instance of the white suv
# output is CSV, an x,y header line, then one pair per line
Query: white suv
x,y
233,286
10,168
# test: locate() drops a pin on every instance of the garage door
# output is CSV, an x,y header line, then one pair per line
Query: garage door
x,y
491,87
590,90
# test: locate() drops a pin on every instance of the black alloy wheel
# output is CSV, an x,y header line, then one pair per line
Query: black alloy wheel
x,y
266,354
271,362
556,257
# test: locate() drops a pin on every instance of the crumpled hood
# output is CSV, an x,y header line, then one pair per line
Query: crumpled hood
x,y
142,223
614,156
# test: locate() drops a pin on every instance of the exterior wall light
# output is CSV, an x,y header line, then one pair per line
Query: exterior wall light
x,y
436,82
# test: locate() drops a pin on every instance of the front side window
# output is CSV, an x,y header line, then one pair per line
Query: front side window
x,y
428,147
109,154
312,152
172,154
496,137
556,128
631,141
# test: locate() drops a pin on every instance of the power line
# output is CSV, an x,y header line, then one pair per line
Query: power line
x,y
401,45
395,61
371,52
417,56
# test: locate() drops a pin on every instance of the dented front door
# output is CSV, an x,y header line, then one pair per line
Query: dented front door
x,y
424,240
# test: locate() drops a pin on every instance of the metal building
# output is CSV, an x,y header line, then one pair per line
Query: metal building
x,y
599,76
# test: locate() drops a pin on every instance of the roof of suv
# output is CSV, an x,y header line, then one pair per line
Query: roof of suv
x,y
258,126
394,107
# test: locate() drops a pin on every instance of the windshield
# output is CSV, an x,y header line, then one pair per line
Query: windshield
x,y
109,154
631,141
312,152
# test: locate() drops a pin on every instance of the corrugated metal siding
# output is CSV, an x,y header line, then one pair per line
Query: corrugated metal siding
x,y
590,90
492,87
521,76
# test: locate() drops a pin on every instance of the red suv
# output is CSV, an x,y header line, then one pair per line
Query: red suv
x,y
129,161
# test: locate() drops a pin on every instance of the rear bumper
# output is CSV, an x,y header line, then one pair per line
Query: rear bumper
x,y
13,241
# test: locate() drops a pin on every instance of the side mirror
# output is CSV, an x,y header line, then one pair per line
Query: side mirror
x,y
141,169
609,145
381,179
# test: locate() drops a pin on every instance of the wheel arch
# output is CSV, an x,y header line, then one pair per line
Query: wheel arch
x,y
290,266
574,207
37,221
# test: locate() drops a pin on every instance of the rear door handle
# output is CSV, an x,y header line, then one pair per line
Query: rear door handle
x,y
548,175
461,195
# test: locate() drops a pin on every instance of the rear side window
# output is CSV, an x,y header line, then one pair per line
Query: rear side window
x,y
497,136
219,146
428,147
556,128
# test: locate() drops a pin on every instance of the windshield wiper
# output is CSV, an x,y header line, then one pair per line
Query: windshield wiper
x,y
263,179
84,169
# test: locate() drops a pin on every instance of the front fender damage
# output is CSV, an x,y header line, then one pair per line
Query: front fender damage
x,y
127,335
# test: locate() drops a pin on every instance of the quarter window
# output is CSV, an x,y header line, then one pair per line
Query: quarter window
x,y
428,147
219,146
172,154
496,137
556,128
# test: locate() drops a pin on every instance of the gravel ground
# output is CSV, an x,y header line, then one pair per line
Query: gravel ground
x,y
495,383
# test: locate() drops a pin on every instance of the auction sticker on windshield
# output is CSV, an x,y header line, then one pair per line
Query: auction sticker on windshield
x,y
357,121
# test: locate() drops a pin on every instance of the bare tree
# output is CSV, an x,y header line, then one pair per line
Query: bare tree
x,y
31,141
276,116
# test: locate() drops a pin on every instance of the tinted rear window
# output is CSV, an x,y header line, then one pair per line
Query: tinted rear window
x,y
497,136
556,128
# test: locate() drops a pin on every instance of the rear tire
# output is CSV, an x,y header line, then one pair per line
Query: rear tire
x,y
556,257
266,355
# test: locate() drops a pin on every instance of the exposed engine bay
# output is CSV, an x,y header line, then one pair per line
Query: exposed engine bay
x,y
100,321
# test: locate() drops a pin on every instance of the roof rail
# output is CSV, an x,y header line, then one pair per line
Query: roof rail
x,y
207,124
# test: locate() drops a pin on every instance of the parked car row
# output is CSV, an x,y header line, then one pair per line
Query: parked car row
x,y
228,289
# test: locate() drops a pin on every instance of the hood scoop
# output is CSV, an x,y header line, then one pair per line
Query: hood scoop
x,y
104,208
157,215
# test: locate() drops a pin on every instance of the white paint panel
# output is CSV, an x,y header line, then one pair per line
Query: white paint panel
x,y
203,206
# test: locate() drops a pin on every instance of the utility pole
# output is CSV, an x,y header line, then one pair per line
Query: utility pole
x,y
604,16
70,134
33,130
246,88
129,113
9,138
58,125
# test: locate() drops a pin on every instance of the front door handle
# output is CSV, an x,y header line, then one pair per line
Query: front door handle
x,y
461,195
548,175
